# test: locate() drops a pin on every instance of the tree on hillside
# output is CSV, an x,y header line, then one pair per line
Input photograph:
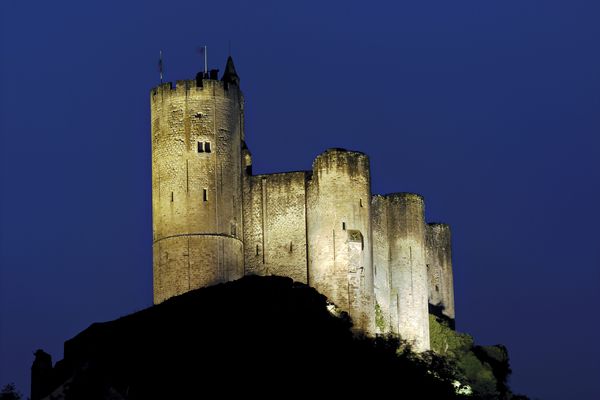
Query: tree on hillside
x,y
9,392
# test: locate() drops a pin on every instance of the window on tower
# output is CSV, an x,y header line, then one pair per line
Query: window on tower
x,y
207,147
200,147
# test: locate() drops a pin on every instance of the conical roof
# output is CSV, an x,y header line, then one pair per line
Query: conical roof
x,y
230,76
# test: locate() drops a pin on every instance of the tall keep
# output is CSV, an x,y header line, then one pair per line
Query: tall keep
x,y
197,134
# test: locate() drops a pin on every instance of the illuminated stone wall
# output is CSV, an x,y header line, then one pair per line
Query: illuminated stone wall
x,y
439,268
275,225
403,300
196,185
381,265
339,233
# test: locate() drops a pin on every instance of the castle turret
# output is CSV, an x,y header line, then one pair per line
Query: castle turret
x,y
439,271
339,234
230,75
197,134
401,274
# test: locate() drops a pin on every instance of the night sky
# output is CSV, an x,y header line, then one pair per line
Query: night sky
x,y
489,109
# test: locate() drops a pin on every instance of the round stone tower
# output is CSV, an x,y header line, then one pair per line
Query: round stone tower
x,y
408,272
381,263
197,134
339,234
439,269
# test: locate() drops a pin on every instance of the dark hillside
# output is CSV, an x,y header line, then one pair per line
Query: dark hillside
x,y
258,335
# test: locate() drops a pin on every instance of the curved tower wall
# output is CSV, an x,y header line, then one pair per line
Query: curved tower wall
x,y
339,234
409,313
196,187
439,268
381,266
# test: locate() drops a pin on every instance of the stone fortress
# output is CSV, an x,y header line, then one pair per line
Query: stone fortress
x,y
373,256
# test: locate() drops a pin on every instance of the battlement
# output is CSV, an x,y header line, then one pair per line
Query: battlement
x,y
343,150
404,196
352,163
281,174
188,86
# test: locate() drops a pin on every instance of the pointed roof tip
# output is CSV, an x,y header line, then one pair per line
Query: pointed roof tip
x,y
230,75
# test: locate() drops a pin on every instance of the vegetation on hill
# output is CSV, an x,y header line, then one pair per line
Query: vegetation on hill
x,y
483,370
9,392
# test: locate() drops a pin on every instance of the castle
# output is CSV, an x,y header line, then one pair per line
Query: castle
x,y
373,256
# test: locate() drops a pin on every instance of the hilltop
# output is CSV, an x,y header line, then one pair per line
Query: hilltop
x,y
259,335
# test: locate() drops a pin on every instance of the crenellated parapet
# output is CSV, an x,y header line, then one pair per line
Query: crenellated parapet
x,y
192,88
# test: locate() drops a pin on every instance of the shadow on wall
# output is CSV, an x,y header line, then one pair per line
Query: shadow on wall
x,y
438,311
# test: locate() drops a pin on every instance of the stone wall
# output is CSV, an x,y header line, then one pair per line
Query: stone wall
x,y
381,264
196,185
275,225
400,217
339,234
439,269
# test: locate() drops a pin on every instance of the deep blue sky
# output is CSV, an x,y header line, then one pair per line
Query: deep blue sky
x,y
490,109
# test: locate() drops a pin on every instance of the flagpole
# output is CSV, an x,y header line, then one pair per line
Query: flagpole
x,y
205,61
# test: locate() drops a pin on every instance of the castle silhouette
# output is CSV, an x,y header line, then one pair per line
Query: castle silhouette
x,y
373,256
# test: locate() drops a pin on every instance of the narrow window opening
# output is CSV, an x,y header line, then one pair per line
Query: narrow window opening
x,y
204,195
291,247
200,148
360,202
256,249
172,197
437,288
207,147
343,225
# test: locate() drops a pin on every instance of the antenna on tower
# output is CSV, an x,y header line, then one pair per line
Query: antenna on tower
x,y
204,51
160,66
